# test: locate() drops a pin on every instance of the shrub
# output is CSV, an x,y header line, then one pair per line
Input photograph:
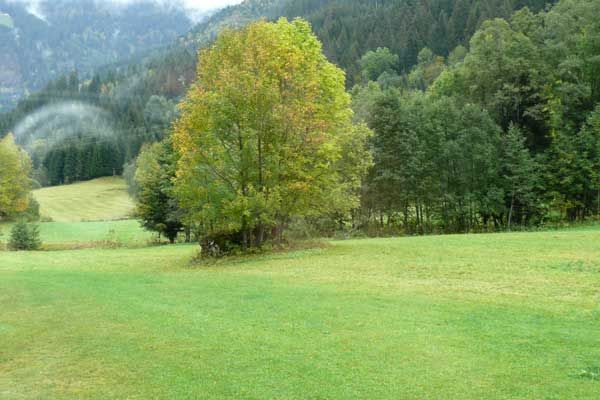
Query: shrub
x,y
220,245
24,237
33,210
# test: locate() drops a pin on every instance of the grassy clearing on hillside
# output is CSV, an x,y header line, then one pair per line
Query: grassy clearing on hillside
x,y
507,316
98,200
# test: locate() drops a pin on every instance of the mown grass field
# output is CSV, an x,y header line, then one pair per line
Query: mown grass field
x,y
507,316
101,199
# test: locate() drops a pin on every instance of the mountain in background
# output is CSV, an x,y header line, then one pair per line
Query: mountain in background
x,y
85,35
38,44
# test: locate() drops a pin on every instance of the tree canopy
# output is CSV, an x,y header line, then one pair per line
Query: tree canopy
x,y
266,134
503,134
157,206
15,184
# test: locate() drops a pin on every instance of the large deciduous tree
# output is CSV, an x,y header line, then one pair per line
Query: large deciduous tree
x,y
266,135
15,184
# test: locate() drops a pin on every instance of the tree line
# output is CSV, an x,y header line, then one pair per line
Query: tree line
x,y
504,134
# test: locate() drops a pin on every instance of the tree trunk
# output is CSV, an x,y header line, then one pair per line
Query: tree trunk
x,y
510,213
245,235
598,205
260,235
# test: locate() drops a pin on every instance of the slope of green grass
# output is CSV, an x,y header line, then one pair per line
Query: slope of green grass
x,y
97,200
508,316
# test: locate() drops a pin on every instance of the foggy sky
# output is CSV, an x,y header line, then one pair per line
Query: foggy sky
x,y
198,5
194,6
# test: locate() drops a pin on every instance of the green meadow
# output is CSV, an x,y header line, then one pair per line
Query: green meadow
x,y
102,199
503,316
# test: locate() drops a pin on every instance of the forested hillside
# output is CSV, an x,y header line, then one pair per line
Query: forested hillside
x,y
140,99
349,28
38,44
502,133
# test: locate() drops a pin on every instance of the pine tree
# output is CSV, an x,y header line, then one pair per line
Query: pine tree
x,y
520,175
24,237
157,206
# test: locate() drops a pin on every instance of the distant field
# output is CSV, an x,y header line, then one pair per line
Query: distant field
x,y
127,232
76,234
506,316
102,199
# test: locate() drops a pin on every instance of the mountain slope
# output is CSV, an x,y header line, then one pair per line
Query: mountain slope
x,y
38,45
349,28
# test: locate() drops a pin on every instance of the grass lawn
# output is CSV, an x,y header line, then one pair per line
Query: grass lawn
x,y
508,316
126,232
88,234
98,200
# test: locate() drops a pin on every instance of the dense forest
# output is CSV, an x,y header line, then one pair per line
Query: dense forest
x,y
505,134
348,29
484,114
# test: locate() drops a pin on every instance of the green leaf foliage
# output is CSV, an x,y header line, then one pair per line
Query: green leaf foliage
x,y
157,207
266,135
15,184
